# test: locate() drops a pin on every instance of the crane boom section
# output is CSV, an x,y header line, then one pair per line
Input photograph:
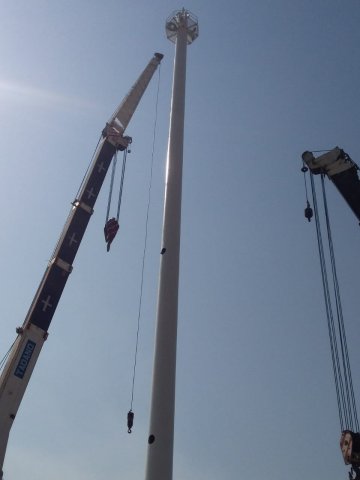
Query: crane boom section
x,y
32,335
60,265
341,170
122,115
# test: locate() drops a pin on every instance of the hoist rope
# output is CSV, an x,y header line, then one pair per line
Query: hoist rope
x,y
113,171
327,303
145,243
341,369
111,185
341,326
121,183
304,170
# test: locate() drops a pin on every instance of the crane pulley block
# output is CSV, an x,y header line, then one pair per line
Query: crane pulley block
x,y
110,230
114,136
350,447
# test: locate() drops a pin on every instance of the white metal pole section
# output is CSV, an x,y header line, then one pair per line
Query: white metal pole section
x,y
182,29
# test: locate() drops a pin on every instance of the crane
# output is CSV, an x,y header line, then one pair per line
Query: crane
x,y
343,172
34,331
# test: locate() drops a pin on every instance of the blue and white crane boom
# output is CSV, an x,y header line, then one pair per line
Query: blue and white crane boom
x,y
34,331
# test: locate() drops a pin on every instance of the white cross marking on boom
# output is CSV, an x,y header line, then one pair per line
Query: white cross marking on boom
x,y
90,193
72,240
101,167
46,303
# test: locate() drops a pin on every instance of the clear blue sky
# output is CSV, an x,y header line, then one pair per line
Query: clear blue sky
x,y
266,80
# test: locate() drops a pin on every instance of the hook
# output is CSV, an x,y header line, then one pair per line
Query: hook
x,y
130,420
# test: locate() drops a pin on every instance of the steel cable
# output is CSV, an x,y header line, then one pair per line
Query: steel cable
x,y
145,244
336,329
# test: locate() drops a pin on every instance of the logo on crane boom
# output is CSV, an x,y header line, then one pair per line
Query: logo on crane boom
x,y
25,359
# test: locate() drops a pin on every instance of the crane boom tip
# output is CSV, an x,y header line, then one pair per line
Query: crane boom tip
x,y
159,56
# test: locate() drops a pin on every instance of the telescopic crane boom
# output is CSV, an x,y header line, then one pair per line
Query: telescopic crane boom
x,y
34,331
341,170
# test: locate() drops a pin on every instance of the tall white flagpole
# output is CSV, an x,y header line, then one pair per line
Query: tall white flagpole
x,y
182,29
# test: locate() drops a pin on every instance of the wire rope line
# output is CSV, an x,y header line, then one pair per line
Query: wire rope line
x,y
145,243
336,327
306,188
112,179
111,186
329,315
337,303
341,325
121,183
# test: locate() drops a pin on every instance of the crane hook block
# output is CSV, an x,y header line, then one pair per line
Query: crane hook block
x,y
354,473
130,420
110,231
350,448
308,212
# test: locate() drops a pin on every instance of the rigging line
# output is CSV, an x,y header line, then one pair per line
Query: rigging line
x,y
344,405
341,324
332,338
145,241
333,348
305,183
121,183
111,185
341,328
